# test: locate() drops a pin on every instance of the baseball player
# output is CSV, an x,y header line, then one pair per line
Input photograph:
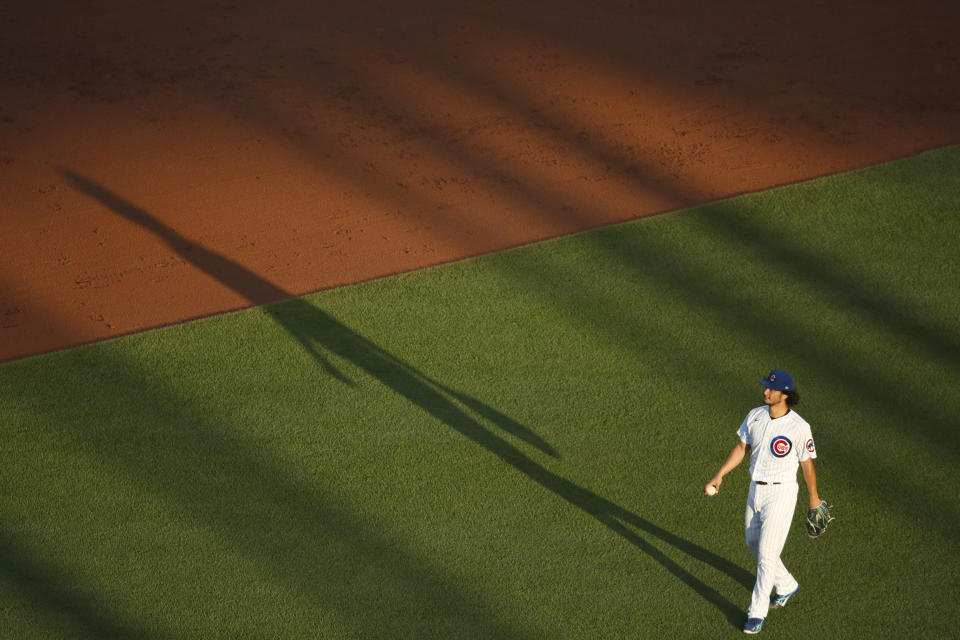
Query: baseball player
x,y
778,440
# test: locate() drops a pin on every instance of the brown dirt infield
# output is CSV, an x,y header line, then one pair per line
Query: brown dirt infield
x,y
317,146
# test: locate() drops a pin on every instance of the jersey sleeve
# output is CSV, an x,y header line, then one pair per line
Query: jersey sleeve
x,y
809,450
744,431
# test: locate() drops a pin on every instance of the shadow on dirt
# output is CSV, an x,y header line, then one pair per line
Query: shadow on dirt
x,y
320,334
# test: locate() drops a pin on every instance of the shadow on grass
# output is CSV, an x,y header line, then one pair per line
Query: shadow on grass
x,y
872,305
313,328
79,612
292,538
852,368
763,318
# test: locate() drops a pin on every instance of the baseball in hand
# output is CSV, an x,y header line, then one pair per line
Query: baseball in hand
x,y
711,490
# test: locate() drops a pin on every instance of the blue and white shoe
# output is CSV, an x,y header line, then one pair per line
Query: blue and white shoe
x,y
753,625
779,602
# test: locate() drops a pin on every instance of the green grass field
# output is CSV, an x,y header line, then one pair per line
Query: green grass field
x,y
514,446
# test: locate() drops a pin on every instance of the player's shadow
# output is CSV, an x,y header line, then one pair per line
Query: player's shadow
x,y
321,334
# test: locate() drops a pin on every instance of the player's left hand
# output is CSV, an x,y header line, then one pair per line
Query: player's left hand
x,y
818,518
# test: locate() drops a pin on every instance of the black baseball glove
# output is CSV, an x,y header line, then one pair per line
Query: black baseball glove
x,y
818,518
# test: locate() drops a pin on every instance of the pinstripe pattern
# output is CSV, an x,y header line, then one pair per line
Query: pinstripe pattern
x,y
777,447
767,521
761,433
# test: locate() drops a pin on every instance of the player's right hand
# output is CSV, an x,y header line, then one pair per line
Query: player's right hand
x,y
714,482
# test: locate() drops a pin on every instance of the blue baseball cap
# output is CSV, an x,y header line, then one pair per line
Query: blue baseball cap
x,y
778,380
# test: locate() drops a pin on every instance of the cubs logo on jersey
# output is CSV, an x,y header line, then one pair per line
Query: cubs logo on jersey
x,y
781,446
810,446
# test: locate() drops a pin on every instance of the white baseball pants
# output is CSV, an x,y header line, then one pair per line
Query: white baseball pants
x,y
770,510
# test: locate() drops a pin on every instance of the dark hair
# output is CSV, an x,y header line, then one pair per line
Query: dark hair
x,y
793,398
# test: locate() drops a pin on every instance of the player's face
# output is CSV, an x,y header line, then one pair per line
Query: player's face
x,y
772,398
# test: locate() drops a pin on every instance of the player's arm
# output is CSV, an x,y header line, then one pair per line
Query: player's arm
x,y
736,456
810,477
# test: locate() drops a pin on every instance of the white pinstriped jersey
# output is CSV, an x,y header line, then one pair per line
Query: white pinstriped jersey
x,y
777,446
